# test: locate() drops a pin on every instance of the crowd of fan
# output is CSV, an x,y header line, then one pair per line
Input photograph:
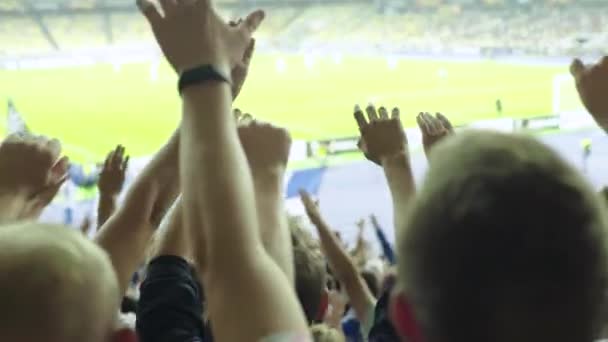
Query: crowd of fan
x,y
534,30
504,241
537,29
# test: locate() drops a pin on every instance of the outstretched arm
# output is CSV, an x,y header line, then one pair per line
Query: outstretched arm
x,y
267,151
342,266
218,194
383,141
126,235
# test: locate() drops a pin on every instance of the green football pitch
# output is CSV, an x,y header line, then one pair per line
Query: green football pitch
x,y
93,108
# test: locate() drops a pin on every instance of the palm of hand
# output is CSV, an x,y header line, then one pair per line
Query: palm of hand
x,y
433,129
111,182
428,141
382,139
112,176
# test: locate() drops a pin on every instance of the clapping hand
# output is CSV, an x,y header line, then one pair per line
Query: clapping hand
x,y
592,85
191,33
31,168
241,69
434,129
112,176
381,136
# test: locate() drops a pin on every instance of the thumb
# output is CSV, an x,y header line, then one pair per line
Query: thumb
x,y
252,22
149,11
577,68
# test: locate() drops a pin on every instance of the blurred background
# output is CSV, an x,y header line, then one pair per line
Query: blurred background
x,y
90,73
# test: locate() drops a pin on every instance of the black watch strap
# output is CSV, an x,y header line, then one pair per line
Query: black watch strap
x,y
199,75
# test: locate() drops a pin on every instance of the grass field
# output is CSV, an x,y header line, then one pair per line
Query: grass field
x,y
93,108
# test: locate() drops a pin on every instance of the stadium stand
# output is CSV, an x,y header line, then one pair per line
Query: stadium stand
x,y
507,30
486,222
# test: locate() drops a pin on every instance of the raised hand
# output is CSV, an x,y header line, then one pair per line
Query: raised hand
x,y
31,167
190,33
381,136
592,85
434,129
112,176
266,146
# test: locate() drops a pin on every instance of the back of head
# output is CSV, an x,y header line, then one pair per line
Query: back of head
x,y
505,242
310,275
325,333
55,286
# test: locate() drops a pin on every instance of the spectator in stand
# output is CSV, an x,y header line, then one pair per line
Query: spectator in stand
x,y
242,277
344,269
53,278
517,252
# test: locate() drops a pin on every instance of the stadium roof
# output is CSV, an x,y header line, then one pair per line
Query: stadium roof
x,y
71,6
44,7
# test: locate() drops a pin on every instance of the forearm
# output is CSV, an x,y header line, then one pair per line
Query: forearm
x,y
175,240
217,183
126,235
218,189
272,219
346,272
398,173
163,174
125,247
341,263
105,209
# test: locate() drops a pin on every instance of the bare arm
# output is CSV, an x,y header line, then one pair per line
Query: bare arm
x,y
126,235
241,280
175,238
384,142
343,267
398,173
267,151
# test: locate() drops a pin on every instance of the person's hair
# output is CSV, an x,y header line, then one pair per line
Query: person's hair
x,y
128,305
325,333
56,285
504,242
310,275
372,282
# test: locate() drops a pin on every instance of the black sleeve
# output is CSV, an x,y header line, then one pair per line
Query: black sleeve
x,y
382,329
170,307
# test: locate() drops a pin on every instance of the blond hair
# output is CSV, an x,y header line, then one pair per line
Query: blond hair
x,y
55,285
325,333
